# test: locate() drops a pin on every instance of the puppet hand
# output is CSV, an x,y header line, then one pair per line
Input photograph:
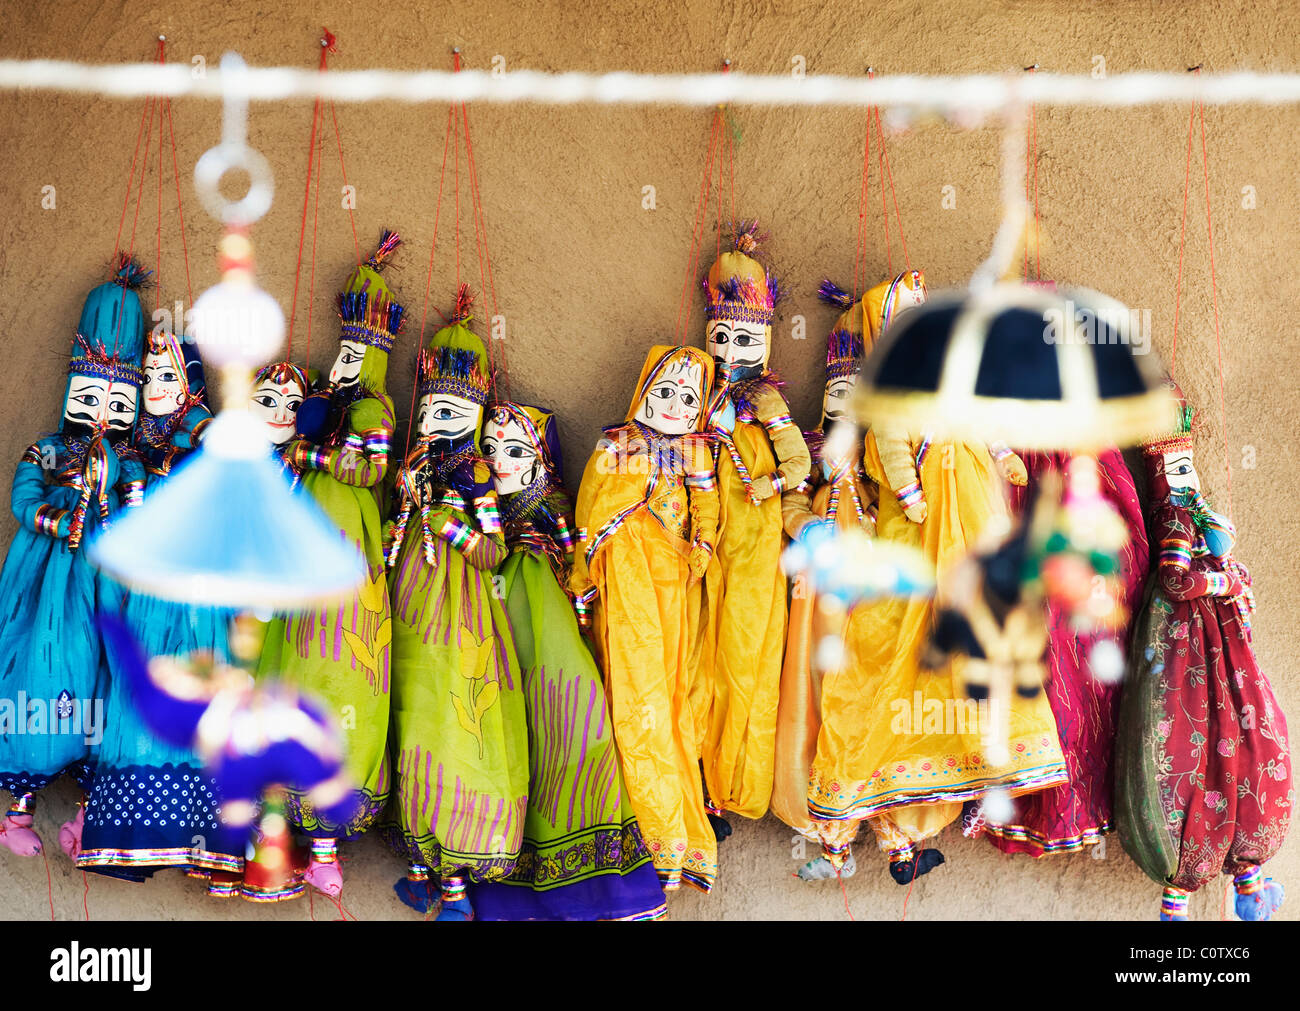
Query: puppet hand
x,y
916,512
1012,469
699,558
1235,586
760,489
302,454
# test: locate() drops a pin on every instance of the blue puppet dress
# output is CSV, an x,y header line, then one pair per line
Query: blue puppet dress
x,y
151,806
53,671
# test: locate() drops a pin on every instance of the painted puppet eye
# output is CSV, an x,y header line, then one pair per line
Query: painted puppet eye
x,y
266,400
518,453
744,340
88,399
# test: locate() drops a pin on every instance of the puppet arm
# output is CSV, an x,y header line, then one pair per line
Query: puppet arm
x,y
28,497
704,507
1009,464
794,462
1177,579
582,588
899,463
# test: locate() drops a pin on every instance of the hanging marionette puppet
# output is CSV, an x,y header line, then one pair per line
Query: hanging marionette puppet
x,y
760,454
460,736
1203,766
916,753
583,857
837,490
1084,667
151,806
278,391
339,654
53,668
647,515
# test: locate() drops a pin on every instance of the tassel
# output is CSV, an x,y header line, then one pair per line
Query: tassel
x,y
129,273
464,301
388,243
832,294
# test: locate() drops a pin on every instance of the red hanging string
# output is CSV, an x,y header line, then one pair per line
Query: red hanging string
x,y
325,45
49,882
916,862
180,210
487,280
315,222
697,232
157,277
85,895
428,282
889,173
1214,298
863,194
344,172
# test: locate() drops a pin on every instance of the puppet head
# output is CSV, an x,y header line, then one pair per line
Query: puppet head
x,y
104,376
455,381
1169,458
278,391
741,301
843,355
523,445
372,319
173,374
671,393
887,299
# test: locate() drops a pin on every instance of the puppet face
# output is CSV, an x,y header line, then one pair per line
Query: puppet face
x,y
1180,472
347,366
164,386
276,406
739,348
835,402
515,460
98,403
673,402
908,297
442,416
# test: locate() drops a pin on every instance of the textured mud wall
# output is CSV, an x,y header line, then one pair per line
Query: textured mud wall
x,y
588,278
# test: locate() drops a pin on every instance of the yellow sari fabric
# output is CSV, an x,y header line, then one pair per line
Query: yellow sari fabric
x,y
798,723
641,589
745,593
898,744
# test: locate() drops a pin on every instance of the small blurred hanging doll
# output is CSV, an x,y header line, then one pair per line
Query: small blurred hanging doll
x,y
916,753
460,732
837,490
647,516
278,391
760,453
151,806
53,667
1203,766
583,857
1082,687
339,654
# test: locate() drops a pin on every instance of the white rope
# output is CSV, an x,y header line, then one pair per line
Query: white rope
x,y
976,93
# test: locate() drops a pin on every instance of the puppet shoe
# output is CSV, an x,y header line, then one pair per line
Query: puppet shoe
x,y
721,827
326,878
70,834
417,891
907,871
1260,902
822,869
17,836
458,910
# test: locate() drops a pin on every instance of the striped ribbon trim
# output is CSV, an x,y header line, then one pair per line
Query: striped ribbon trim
x,y
778,424
132,494
1249,881
32,454
489,519
1176,552
460,536
47,519
910,494
1173,904
922,451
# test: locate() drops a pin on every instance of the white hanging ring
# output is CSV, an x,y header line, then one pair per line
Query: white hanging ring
x,y
223,158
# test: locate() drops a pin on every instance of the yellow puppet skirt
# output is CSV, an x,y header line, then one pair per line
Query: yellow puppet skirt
x,y
643,628
900,745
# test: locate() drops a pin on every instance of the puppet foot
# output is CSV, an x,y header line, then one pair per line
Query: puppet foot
x,y
17,836
70,834
455,903
323,872
224,884
721,827
1173,905
415,890
1258,897
911,865
821,869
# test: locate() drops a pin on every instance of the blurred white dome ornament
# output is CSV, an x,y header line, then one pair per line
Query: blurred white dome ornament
x,y
228,530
